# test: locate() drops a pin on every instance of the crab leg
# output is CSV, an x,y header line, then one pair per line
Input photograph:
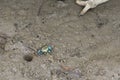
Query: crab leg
x,y
81,3
87,7
89,4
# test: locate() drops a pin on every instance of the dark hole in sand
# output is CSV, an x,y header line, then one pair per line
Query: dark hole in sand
x,y
28,58
61,0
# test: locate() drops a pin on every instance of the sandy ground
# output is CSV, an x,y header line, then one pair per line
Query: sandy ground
x,y
84,47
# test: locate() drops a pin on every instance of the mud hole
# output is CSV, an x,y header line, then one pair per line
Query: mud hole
x,y
84,47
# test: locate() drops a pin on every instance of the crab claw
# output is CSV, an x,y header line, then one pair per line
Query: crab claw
x,y
89,4
87,7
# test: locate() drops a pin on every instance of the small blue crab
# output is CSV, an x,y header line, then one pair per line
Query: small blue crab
x,y
44,50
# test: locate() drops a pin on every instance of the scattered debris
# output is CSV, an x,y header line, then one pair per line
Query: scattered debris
x,y
72,71
66,68
74,74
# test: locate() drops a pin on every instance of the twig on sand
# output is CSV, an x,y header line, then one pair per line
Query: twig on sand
x,y
40,7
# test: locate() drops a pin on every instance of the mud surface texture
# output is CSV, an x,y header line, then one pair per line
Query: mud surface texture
x,y
84,47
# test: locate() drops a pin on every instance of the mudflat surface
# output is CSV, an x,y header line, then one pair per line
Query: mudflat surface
x,y
84,47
